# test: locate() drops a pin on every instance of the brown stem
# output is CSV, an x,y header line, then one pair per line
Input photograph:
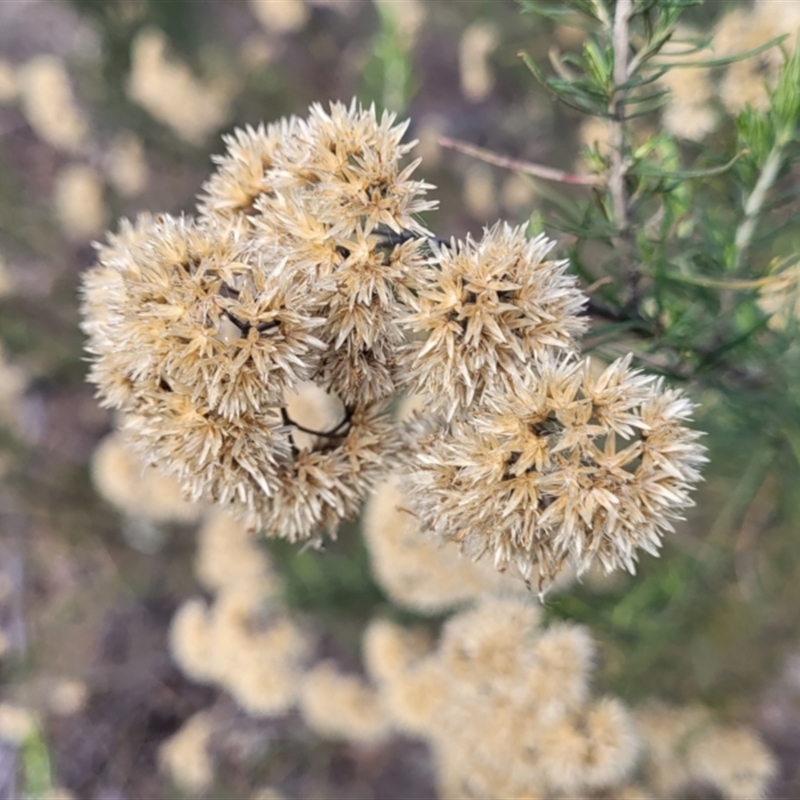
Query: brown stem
x,y
332,433
537,170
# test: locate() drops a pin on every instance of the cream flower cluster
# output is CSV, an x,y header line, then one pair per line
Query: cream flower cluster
x,y
571,468
200,328
244,641
504,705
308,266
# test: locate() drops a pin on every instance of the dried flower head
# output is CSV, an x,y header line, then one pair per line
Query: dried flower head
x,y
190,641
487,308
363,309
326,481
684,746
390,649
195,315
347,162
198,345
747,82
228,555
49,104
241,178
690,113
733,759
335,184
17,723
573,467
414,570
185,756
478,42
278,18
231,462
78,202
341,706
167,89
308,285
594,748
505,710
138,490
245,644
127,165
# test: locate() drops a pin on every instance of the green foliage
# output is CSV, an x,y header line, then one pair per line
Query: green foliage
x,y
334,583
37,769
389,76
680,241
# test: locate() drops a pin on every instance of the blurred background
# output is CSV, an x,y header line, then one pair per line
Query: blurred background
x,y
109,107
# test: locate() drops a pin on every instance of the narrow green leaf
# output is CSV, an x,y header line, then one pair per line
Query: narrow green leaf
x,y
649,171
724,62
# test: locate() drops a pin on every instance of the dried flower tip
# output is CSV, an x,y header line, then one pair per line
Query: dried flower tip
x,y
241,177
347,161
747,82
486,309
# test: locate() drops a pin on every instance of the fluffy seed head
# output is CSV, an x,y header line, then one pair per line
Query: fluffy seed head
x,y
187,311
486,309
325,483
348,162
341,706
572,467
242,174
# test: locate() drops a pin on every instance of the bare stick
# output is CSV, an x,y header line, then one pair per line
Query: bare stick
x,y
537,170
616,137
755,204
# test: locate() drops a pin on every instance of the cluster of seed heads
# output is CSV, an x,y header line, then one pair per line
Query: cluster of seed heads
x,y
307,269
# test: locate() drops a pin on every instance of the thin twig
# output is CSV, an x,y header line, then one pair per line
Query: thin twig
x,y
332,433
529,168
616,179
393,239
616,141
597,308
755,204
599,283
752,214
